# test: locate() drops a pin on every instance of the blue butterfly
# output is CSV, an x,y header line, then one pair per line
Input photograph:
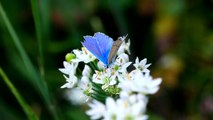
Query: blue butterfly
x,y
103,47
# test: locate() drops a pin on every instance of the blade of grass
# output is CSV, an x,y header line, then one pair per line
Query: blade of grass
x,y
28,111
36,79
38,25
27,63
40,9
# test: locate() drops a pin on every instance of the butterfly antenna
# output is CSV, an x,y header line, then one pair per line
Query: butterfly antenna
x,y
124,37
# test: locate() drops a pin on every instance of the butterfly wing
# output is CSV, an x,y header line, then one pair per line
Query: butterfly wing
x,y
99,45
105,43
90,43
116,45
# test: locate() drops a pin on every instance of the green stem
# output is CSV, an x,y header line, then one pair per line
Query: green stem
x,y
95,63
40,30
28,111
36,79
93,66
40,11
41,86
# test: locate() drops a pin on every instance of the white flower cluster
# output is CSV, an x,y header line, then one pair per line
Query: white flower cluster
x,y
118,94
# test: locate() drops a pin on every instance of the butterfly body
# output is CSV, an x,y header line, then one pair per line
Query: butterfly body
x,y
103,47
116,45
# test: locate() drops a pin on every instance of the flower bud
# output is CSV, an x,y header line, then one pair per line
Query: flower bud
x,y
69,57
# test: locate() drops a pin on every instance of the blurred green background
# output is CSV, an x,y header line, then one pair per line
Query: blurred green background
x,y
176,36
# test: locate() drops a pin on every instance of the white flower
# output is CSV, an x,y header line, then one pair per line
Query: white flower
x,y
83,56
133,98
122,109
85,85
144,83
86,71
104,77
120,67
116,71
123,69
138,98
111,109
76,96
141,65
71,81
69,68
97,110
126,85
124,47
122,59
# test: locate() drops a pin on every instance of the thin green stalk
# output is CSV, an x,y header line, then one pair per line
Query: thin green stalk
x,y
40,11
28,111
36,78
95,63
92,65
41,18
